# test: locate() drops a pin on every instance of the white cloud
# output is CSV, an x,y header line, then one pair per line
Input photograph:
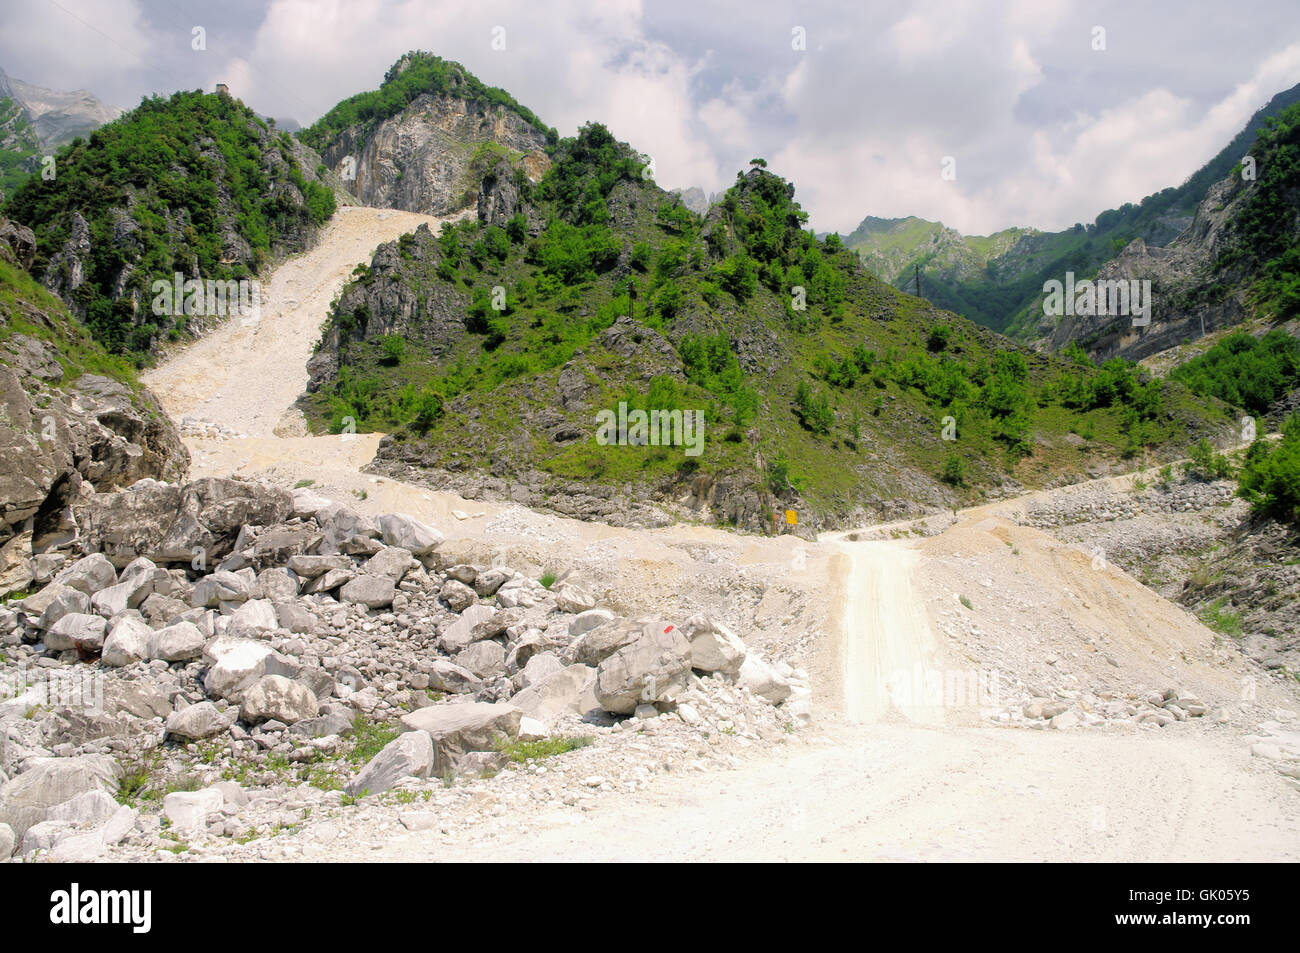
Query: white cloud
x,y
1045,131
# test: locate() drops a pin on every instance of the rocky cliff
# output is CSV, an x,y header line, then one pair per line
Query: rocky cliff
x,y
1237,259
425,139
71,419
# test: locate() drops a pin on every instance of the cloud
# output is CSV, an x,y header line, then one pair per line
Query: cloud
x,y
1045,130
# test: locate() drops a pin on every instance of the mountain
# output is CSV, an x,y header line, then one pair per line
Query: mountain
x,y
999,283
423,141
1238,259
194,185
507,356
35,121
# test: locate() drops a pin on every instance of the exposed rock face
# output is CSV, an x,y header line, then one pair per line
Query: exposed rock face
x,y
424,158
55,436
174,524
1178,274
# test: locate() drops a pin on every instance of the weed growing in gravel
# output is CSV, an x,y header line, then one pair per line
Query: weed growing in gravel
x,y
369,738
547,580
521,751
1223,621
965,602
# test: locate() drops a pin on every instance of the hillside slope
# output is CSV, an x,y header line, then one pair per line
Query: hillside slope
x,y
35,121
1239,258
492,351
1004,288
194,185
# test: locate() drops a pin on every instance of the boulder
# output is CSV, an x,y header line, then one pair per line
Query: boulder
x,y
653,668
763,680
409,533
571,598
457,595
307,503
410,755
188,811
88,575
486,659
277,585
331,579
78,631
331,723
596,645
27,799
373,592
276,545
309,567
590,619
540,666
487,582
714,647
221,586
127,641
88,809
459,728
235,665
447,676
339,524
163,610
168,523
142,698
63,601
392,562
279,698
128,594
197,722
475,623
571,690
295,618
8,842
182,642
254,618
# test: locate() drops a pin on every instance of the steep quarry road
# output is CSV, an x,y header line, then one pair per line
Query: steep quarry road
x,y
880,775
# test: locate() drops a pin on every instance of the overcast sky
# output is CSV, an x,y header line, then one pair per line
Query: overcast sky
x,y
1045,130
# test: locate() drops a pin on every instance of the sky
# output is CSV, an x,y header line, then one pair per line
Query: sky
x,y
982,114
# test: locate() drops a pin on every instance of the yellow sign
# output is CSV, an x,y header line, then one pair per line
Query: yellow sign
x,y
791,517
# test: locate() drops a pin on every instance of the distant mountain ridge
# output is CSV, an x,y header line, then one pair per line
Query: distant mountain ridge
x,y
35,121
1000,284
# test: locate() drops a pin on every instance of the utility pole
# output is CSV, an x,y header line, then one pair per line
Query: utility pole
x,y
918,279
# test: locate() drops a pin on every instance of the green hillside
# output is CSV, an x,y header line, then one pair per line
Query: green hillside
x,y
835,396
194,183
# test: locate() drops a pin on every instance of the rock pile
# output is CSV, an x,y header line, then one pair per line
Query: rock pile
x,y
245,630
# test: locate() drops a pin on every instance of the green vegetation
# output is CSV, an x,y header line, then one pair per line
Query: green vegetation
x,y
1222,620
1245,371
1264,232
521,751
27,308
369,738
810,373
174,174
413,75
1270,474
19,152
